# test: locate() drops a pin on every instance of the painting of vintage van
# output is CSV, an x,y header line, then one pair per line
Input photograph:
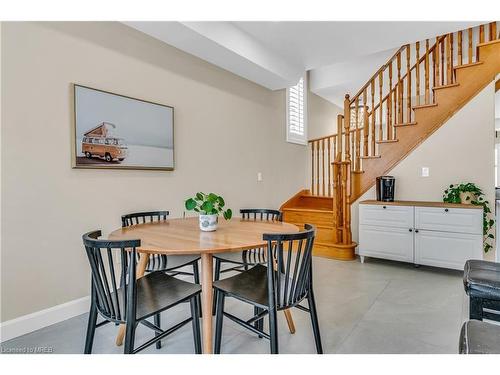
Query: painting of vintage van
x,y
116,131
97,143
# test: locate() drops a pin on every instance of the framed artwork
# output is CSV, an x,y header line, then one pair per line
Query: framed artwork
x,y
118,132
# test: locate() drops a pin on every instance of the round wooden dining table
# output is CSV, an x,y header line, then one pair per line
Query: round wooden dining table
x,y
183,236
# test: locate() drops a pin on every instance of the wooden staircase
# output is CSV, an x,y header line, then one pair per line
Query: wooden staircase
x,y
317,210
402,104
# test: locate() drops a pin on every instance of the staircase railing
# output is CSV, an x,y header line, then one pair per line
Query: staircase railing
x,y
386,101
409,79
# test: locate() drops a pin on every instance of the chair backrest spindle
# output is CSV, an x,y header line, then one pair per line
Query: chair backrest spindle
x,y
155,261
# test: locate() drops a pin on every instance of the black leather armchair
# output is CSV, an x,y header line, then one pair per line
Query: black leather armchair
x,y
479,338
482,284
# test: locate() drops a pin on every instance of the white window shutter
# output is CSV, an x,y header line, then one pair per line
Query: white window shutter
x,y
296,113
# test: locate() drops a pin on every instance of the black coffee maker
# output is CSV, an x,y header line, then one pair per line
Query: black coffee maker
x,y
385,188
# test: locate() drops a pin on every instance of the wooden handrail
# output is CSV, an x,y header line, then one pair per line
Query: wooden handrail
x,y
321,138
413,67
421,60
381,69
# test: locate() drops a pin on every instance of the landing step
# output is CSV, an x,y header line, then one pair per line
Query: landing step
x,y
403,124
387,141
424,106
334,251
301,209
467,65
371,157
446,86
325,227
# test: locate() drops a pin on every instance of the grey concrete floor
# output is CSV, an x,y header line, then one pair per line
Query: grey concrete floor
x,y
375,307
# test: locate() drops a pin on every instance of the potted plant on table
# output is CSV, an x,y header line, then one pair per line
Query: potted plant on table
x,y
209,206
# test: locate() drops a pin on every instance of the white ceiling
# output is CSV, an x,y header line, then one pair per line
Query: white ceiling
x,y
316,44
341,56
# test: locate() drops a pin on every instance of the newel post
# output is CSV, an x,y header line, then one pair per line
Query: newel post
x,y
347,128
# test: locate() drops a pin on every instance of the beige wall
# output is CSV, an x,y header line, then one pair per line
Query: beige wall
x,y
462,150
322,116
226,130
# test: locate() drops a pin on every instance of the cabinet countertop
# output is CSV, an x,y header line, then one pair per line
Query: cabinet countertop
x,y
421,204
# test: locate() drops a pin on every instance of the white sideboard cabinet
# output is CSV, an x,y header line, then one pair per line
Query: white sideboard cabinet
x,y
425,233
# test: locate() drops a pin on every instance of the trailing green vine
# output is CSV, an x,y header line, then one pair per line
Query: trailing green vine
x,y
453,195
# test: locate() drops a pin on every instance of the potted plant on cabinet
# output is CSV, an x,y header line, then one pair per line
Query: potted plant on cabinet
x,y
209,206
469,193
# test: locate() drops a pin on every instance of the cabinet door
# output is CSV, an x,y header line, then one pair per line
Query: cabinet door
x,y
386,242
459,220
448,250
386,215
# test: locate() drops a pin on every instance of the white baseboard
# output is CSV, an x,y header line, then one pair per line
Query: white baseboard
x,y
43,318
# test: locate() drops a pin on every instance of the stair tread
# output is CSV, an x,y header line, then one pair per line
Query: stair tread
x,y
402,124
316,196
326,227
371,157
305,209
424,105
468,65
487,43
446,86
388,141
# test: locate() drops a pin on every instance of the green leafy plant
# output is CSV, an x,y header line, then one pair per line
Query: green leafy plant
x,y
453,195
208,204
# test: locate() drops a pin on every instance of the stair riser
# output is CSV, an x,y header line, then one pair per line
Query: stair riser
x,y
316,203
324,219
322,234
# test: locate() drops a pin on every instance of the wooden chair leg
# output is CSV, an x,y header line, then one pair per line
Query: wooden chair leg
x,y
289,321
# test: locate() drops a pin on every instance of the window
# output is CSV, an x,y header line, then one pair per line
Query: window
x,y
296,113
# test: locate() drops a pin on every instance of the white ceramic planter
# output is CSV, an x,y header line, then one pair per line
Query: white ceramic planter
x,y
208,223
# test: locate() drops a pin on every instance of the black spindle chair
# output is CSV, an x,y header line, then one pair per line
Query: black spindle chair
x,y
114,263
157,262
171,263
282,284
242,260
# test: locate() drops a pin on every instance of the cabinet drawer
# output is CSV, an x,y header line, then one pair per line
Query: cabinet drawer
x,y
386,242
448,250
386,216
457,220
